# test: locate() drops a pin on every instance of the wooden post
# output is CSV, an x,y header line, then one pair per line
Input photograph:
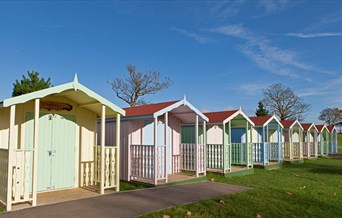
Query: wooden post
x,y
300,139
155,140
280,152
230,146
167,149
205,147
224,150
117,161
290,144
247,150
196,146
35,152
11,142
316,144
103,129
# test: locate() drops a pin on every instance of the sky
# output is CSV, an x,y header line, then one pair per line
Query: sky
x,y
220,54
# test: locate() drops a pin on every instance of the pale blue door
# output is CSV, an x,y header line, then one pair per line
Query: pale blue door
x,y
56,150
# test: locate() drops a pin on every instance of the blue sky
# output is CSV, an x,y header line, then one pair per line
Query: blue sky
x,y
220,54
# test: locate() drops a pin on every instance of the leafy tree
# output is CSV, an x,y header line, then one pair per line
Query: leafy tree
x,y
331,115
261,111
284,102
30,84
130,89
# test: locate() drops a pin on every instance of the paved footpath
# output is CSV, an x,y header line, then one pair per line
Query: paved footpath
x,y
130,203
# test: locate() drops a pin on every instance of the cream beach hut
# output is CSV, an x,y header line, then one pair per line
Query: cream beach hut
x,y
310,144
48,142
292,140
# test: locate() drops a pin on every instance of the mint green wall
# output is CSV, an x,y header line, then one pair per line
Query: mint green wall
x,y
188,134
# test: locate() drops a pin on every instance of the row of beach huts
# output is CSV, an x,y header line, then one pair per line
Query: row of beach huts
x,y
68,136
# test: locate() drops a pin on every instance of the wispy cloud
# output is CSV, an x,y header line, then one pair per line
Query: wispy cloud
x,y
272,6
314,35
225,9
199,38
267,55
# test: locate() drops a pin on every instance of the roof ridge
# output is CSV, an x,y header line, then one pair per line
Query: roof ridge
x,y
152,104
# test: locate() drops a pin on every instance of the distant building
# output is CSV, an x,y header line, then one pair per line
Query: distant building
x,y
339,127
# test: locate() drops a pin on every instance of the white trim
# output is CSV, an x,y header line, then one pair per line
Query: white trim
x,y
296,121
117,161
35,150
177,104
271,118
239,112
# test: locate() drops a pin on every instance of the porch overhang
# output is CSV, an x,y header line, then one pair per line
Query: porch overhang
x,y
74,91
182,113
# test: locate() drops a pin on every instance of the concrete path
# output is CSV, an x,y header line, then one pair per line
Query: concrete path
x,y
131,203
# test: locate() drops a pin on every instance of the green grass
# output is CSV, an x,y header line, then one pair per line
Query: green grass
x,y
127,186
312,189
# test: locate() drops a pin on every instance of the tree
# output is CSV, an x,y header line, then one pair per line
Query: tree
x,y
130,89
283,102
30,84
261,111
330,115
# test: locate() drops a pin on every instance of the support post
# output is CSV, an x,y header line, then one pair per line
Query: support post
x,y
155,141
117,157
224,150
11,142
316,144
280,147
308,139
230,146
196,146
247,150
168,155
35,152
103,129
290,144
300,139
205,147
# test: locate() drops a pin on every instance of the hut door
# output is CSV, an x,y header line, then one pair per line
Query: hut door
x,y
56,150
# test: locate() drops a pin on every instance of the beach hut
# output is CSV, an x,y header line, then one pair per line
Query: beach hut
x,y
292,140
310,144
228,140
333,140
48,142
151,147
323,140
267,144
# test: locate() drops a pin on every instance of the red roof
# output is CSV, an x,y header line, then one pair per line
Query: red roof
x,y
260,120
306,126
287,123
330,128
319,127
147,109
220,116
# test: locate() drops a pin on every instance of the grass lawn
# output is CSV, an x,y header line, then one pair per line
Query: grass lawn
x,y
312,189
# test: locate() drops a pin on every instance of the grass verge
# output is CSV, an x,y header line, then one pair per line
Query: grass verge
x,y
312,189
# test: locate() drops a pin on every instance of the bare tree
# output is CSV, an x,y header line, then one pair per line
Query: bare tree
x,y
330,115
284,102
130,89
